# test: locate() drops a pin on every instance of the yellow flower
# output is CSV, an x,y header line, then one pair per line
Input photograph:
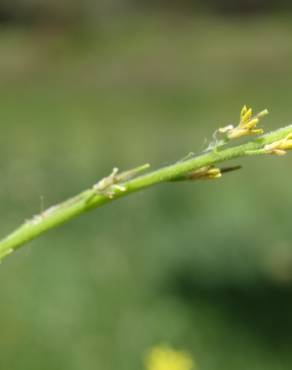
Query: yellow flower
x,y
279,147
165,358
205,173
247,124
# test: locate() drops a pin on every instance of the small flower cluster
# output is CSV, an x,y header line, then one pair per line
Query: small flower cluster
x,y
247,125
205,173
165,358
279,147
109,184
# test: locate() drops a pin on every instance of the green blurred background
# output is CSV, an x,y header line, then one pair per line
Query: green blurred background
x,y
206,267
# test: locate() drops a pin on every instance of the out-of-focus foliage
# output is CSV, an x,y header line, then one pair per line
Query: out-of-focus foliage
x,y
206,267
91,11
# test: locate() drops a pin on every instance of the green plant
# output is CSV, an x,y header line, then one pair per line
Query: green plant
x,y
118,185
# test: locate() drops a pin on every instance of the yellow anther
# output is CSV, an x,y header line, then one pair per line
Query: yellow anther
x,y
205,173
243,111
212,173
252,123
279,147
245,117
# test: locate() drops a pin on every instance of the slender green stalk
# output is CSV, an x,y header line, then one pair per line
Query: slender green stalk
x,y
118,185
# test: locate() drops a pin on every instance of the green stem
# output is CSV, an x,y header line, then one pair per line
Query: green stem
x,y
98,196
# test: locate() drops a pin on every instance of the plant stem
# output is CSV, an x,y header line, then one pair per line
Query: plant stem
x,y
123,184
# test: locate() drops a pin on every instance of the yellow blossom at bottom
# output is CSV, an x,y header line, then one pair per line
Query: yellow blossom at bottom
x,y
165,358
